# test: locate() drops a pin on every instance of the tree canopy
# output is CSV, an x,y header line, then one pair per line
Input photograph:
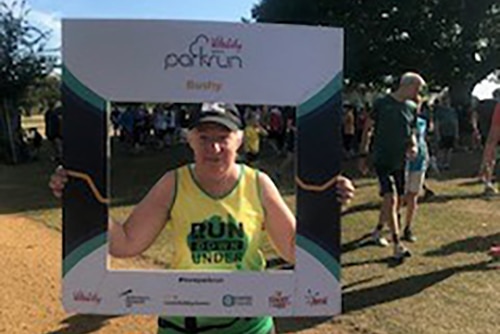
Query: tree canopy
x,y
23,59
453,43
23,62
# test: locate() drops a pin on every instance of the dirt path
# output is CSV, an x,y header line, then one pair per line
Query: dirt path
x,y
30,281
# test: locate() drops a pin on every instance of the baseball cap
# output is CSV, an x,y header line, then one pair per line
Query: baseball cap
x,y
225,114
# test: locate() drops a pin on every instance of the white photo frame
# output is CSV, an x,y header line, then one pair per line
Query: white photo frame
x,y
190,61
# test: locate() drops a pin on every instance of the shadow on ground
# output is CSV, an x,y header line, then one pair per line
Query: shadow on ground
x,y
437,198
403,288
359,299
83,324
474,244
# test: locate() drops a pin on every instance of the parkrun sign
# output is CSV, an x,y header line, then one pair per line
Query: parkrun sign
x,y
215,52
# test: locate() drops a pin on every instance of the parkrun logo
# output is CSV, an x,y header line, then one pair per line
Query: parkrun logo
x,y
205,52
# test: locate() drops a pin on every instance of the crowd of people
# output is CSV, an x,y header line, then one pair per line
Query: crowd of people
x,y
165,125
140,125
447,129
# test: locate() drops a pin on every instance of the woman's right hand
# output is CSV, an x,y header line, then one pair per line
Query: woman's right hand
x,y
58,181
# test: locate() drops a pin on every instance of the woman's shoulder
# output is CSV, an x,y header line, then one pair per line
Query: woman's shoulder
x,y
253,172
169,177
264,181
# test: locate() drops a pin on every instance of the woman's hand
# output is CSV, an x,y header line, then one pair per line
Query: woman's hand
x,y
345,189
58,181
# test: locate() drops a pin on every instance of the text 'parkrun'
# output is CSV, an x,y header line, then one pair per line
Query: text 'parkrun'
x,y
205,52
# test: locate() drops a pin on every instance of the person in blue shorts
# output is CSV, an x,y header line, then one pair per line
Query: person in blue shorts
x,y
415,177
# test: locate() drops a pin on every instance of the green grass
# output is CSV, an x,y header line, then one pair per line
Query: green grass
x,y
448,286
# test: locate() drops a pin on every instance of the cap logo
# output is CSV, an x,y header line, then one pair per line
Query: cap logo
x,y
216,108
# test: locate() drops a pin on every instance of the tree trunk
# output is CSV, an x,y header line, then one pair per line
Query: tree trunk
x,y
9,142
460,95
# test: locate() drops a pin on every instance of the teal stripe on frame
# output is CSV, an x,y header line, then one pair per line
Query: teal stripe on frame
x,y
320,254
81,90
82,251
334,86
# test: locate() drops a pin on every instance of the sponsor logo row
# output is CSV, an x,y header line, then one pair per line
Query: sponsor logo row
x,y
278,300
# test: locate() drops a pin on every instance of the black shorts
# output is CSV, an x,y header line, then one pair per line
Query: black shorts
x,y
290,142
278,137
348,141
447,142
391,182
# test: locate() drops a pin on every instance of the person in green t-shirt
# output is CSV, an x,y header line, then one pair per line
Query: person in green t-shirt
x,y
392,125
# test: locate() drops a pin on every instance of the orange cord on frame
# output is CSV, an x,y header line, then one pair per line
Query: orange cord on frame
x,y
102,199
90,183
316,188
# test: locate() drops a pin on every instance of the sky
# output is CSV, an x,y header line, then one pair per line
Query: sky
x,y
48,13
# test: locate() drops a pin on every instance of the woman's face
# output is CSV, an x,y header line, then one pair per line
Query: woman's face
x,y
215,147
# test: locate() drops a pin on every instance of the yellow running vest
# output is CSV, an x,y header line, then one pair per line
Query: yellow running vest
x,y
217,233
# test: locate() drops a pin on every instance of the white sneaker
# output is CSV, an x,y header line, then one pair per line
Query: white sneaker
x,y
401,252
378,239
490,190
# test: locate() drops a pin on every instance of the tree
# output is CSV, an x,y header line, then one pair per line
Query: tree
x,y
454,43
22,61
41,94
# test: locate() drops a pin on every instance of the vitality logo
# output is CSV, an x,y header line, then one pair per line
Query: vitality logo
x,y
86,297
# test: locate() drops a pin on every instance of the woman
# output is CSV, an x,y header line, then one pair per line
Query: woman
x,y
213,198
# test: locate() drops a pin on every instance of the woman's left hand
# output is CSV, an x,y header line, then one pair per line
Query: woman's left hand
x,y
345,189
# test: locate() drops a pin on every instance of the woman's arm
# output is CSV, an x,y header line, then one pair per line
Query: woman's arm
x,y
145,222
279,220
